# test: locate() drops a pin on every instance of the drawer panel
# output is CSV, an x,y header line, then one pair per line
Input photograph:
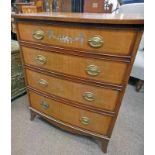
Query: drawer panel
x,y
77,117
101,70
105,41
84,94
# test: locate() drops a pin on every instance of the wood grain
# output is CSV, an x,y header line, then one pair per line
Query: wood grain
x,y
71,103
105,98
115,41
98,123
104,140
91,6
110,71
74,78
122,30
76,52
134,19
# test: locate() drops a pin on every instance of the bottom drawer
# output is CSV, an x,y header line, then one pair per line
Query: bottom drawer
x,y
77,117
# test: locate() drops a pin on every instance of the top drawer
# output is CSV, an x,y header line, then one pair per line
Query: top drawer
x,y
96,40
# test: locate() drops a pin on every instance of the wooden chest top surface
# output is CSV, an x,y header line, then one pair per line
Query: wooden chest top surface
x,y
85,17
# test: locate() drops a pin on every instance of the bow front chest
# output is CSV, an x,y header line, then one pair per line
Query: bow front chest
x,y
77,66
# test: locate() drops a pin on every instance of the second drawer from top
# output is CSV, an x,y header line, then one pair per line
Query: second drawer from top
x,y
112,72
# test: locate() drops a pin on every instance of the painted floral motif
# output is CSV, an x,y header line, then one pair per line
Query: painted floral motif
x,y
66,39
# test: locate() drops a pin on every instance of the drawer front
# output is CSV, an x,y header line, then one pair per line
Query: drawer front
x,y
81,118
101,70
84,94
107,41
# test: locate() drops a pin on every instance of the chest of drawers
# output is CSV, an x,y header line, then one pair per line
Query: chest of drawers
x,y
77,67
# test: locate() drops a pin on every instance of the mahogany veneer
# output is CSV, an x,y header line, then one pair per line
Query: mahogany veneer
x,y
105,98
77,67
111,71
115,42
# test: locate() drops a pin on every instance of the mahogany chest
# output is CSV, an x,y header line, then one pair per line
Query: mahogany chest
x,y
77,66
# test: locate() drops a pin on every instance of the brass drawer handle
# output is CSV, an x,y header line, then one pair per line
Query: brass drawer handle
x,y
85,120
43,83
40,59
96,41
89,96
93,70
44,105
39,35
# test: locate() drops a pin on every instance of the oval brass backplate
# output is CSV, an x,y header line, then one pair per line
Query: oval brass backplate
x,y
96,41
43,83
93,70
89,96
44,105
38,35
85,120
40,59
